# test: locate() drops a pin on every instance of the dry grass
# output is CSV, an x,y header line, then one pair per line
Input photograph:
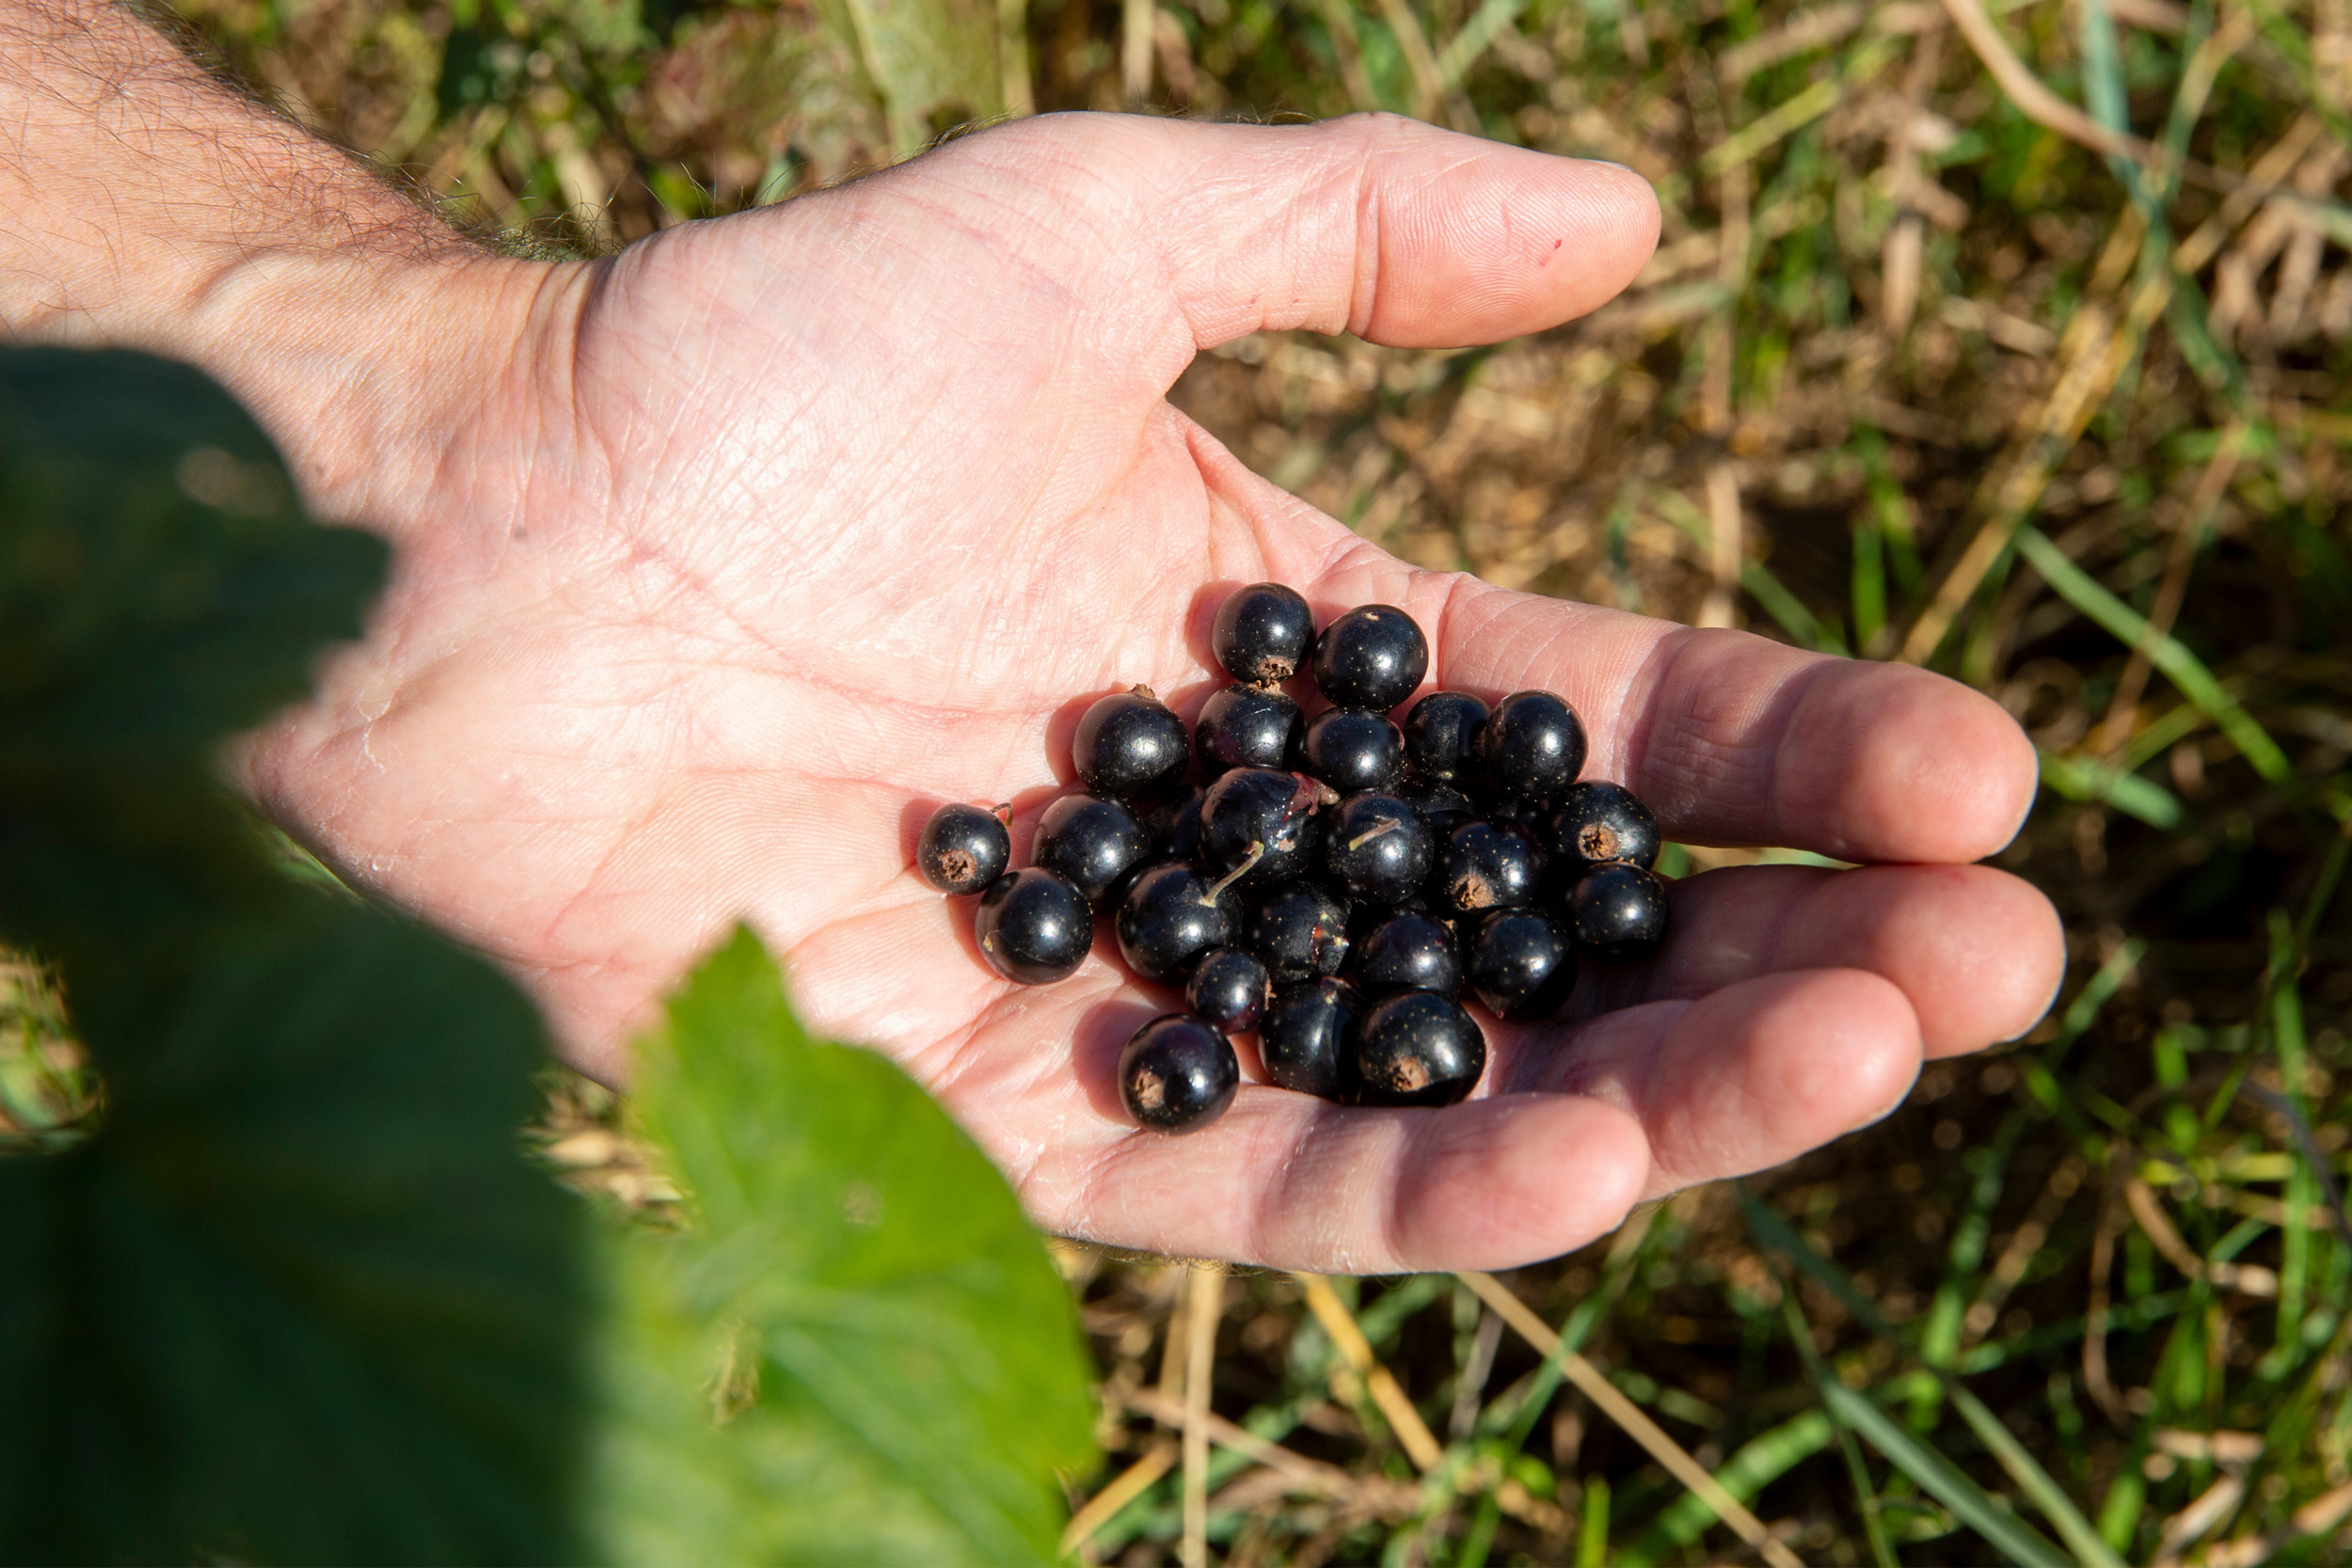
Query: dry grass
x,y
1919,371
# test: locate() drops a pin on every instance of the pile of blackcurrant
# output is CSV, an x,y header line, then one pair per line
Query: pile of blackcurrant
x,y
1337,882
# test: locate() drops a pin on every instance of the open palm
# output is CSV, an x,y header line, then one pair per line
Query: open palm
x,y
778,530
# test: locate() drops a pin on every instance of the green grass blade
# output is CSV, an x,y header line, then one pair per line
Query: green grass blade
x,y
1592,1525
1758,1463
1484,25
2089,779
1943,1480
2181,666
2045,1493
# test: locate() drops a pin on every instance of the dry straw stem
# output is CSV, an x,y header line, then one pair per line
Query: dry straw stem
x,y
2317,1517
1124,1488
1206,1289
2251,1278
1628,1415
1411,42
2092,356
1369,1494
1420,1446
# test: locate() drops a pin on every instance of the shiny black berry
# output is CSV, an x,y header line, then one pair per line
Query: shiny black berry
x,y
1305,1036
1598,822
1033,927
1520,963
1177,1074
1532,817
1418,1049
1407,952
1245,726
1441,735
1264,825
1301,933
1171,915
1353,750
963,848
1371,658
1228,988
1130,747
1093,842
1532,745
1377,848
1175,826
1261,634
1481,866
1443,807
1618,913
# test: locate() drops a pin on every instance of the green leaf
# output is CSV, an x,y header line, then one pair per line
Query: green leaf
x,y
886,1350
159,586
159,590
933,62
299,1297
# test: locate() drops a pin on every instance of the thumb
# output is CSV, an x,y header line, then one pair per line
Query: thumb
x,y
1397,231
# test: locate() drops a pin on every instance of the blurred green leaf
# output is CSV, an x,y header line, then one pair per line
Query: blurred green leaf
x,y
933,62
159,586
300,1297
892,1367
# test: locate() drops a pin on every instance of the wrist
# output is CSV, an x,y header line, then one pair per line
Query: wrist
x,y
152,209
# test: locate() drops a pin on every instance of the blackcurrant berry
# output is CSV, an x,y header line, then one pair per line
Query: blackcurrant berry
x,y
963,848
1598,822
1532,745
1261,634
1520,964
1443,807
1441,735
1483,866
1379,848
1618,913
1417,1048
1301,933
1033,927
1407,952
1262,825
1248,726
1177,1074
1228,988
1176,826
1371,658
1130,747
1171,915
1520,815
1304,1036
1353,749
1093,842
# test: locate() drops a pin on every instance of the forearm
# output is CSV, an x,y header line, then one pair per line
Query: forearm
x,y
150,207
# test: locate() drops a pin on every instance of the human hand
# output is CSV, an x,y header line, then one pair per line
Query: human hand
x,y
772,532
